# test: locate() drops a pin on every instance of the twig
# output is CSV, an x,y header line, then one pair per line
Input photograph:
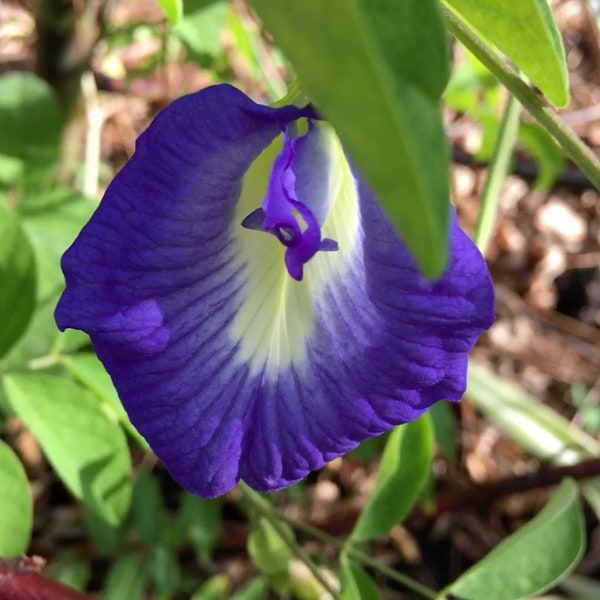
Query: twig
x,y
276,520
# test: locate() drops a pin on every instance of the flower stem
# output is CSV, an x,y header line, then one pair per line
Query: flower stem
x,y
531,99
505,142
276,519
362,557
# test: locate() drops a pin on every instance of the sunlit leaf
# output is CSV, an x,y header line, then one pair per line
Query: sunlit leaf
x,y
402,475
527,33
173,10
534,558
16,513
376,69
86,368
86,448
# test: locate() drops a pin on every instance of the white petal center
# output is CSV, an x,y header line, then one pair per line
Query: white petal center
x,y
276,315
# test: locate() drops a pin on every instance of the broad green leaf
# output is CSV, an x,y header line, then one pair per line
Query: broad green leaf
x,y
201,27
127,579
402,475
173,10
31,123
534,558
87,449
86,368
356,584
527,33
17,280
16,504
376,70
51,221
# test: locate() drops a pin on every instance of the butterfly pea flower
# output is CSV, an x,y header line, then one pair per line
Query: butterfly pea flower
x,y
256,310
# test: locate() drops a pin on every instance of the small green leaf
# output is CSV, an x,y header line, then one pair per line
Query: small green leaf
x,y
17,280
86,368
86,448
444,428
147,508
356,584
257,589
403,473
527,33
270,553
16,504
545,150
127,579
216,588
165,570
201,27
376,70
173,10
31,124
534,558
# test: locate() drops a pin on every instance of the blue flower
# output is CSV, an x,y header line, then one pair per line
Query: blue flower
x,y
257,312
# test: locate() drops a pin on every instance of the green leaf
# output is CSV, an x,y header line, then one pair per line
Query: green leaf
x,y
87,449
51,221
527,33
403,473
257,589
173,10
127,579
216,588
356,584
376,70
31,124
537,428
16,504
545,150
165,570
203,518
86,368
201,27
147,508
534,558
270,553
17,280
444,427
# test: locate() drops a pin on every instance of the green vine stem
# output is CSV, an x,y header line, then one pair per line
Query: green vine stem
x,y
499,164
276,519
533,101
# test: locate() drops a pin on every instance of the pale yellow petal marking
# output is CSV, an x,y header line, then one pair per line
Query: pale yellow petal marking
x,y
276,314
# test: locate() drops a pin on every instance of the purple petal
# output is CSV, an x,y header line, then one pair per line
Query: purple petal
x,y
228,366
